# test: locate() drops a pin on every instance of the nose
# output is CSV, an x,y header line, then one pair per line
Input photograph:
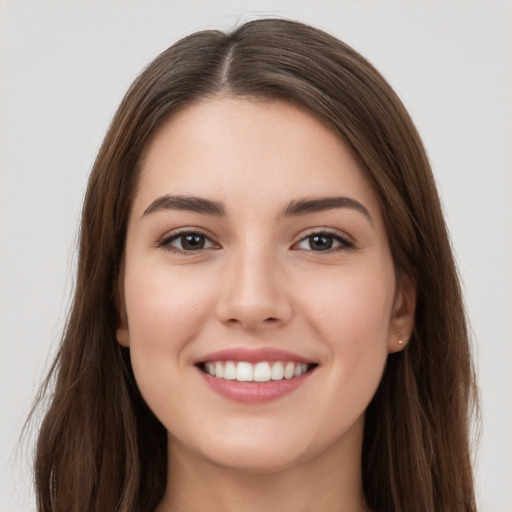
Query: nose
x,y
254,293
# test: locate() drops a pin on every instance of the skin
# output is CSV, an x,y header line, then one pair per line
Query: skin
x,y
258,283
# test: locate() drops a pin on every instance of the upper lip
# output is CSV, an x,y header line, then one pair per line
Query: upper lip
x,y
253,355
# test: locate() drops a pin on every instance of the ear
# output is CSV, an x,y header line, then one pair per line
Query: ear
x,y
402,318
122,331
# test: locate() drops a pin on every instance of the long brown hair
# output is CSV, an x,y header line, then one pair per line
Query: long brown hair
x,y
100,448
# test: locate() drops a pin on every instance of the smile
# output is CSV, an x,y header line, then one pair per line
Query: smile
x,y
254,376
264,371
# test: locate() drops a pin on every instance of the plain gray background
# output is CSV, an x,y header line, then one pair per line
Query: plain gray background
x,y
64,66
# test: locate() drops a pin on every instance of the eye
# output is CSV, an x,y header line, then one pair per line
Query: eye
x,y
189,241
323,242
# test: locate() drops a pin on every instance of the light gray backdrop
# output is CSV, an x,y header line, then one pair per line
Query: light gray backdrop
x,y
64,66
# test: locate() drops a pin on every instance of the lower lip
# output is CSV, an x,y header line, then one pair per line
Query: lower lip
x,y
254,392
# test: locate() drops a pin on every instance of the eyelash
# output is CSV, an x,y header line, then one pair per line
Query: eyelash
x,y
344,243
167,240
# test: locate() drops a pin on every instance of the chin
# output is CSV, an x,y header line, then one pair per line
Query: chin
x,y
255,461
256,454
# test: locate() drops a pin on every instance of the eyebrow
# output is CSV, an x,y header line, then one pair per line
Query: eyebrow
x,y
313,205
294,208
188,203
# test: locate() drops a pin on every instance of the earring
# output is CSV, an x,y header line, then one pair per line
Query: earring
x,y
400,340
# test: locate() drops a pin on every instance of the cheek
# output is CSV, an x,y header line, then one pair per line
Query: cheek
x,y
164,300
351,307
165,310
350,314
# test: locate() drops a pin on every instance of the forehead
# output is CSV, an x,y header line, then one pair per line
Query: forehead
x,y
250,151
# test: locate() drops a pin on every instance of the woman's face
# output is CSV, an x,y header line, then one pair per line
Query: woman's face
x,y
256,251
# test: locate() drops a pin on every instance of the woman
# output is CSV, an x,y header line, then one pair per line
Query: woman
x,y
267,315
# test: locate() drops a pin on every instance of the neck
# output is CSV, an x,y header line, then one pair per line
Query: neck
x,y
331,482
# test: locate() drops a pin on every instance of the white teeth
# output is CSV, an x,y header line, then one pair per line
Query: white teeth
x,y
277,371
300,369
219,370
262,372
244,372
230,371
289,370
259,372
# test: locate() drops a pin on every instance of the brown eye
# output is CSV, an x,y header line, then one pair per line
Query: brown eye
x,y
191,242
323,242
320,242
186,242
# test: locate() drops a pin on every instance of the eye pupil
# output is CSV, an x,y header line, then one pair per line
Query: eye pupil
x,y
320,242
192,242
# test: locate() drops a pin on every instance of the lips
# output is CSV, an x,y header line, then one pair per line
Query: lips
x,y
253,355
254,376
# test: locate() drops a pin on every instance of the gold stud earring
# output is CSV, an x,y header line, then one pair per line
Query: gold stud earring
x,y
400,340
